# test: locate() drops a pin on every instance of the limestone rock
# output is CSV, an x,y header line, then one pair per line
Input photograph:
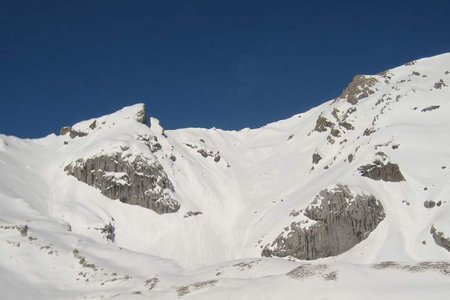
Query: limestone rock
x,y
439,238
316,158
72,132
141,116
360,88
380,171
135,181
322,124
440,84
432,107
339,221
429,204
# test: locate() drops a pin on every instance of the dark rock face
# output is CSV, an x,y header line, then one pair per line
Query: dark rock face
x,y
429,204
350,158
141,116
369,131
346,125
108,231
432,107
342,220
72,132
322,124
439,239
316,158
359,88
150,141
379,171
192,214
335,132
137,181
440,84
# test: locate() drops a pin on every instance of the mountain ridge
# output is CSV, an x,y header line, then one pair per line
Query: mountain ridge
x,y
240,195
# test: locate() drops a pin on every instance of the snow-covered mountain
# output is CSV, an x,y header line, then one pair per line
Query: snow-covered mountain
x,y
348,200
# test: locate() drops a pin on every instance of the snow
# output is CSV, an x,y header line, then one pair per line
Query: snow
x,y
245,199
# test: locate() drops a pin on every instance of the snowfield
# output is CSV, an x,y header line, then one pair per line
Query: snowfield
x,y
238,191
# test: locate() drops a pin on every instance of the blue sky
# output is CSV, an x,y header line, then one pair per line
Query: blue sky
x,y
226,64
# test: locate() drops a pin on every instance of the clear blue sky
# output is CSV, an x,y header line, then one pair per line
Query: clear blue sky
x,y
226,64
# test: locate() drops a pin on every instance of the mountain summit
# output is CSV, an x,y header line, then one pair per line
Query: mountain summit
x,y
115,206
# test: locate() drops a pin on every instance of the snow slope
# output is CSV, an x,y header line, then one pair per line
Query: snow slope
x,y
51,244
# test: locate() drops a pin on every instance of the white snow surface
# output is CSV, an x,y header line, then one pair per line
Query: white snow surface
x,y
245,198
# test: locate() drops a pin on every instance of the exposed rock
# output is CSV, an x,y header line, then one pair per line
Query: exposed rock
x,y
330,140
72,132
138,181
359,88
350,158
64,130
369,131
151,142
141,116
151,283
335,132
246,265
93,124
433,107
439,238
346,125
294,213
339,221
206,154
203,152
436,266
429,204
316,158
109,232
308,270
192,213
379,171
322,124
23,229
440,84
183,290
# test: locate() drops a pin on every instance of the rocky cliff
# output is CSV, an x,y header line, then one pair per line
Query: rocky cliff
x,y
335,221
137,182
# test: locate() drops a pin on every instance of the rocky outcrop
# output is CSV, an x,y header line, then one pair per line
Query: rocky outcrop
x,y
439,238
205,153
440,84
429,108
322,124
380,171
360,88
72,132
335,221
429,204
316,158
138,181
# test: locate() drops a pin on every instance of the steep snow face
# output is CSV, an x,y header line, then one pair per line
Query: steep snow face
x,y
215,196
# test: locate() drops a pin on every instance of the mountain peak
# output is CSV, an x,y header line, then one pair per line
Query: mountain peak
x,y
133,113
